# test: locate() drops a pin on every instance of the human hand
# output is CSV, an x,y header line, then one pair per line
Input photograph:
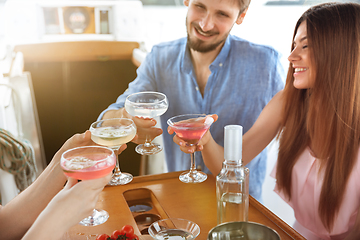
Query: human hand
x,y
78,199
79,140
198,147
145,128
72,204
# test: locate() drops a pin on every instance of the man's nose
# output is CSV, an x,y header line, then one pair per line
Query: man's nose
x,y
206,23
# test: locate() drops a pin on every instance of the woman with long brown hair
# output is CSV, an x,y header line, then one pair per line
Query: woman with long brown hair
x,y
317,120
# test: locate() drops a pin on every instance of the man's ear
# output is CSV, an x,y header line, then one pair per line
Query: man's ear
x,y
186,3
241,17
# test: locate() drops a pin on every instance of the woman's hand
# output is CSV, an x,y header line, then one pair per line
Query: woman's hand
x,y
77,200
79,140
72,204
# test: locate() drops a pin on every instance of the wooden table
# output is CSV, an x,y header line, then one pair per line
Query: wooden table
x,y
170,198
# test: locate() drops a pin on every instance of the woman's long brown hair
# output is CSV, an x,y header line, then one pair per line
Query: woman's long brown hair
x,y
327,116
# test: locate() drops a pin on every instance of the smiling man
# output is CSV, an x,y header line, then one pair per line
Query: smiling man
x,y
208,28
209,72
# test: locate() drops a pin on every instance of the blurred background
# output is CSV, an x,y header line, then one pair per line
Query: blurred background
x,y
64,61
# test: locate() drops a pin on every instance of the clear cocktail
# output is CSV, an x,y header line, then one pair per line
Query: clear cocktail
x,y
147,105
173,234
174,229
85,163
113,136
113,133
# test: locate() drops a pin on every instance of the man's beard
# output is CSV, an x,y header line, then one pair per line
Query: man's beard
x,y
199,45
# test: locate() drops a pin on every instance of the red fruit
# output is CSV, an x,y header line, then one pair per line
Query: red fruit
x,y
127,229
103,237
115,234
134,237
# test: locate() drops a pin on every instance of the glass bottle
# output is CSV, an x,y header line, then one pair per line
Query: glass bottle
x,y
232,183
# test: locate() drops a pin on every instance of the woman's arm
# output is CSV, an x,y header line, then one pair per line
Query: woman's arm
x,y
264,129
254,141
72,204
19,214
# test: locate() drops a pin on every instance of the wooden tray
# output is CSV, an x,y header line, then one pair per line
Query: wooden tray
x,y
168,197
145,208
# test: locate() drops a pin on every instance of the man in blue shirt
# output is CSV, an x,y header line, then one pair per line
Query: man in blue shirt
x,y
209,72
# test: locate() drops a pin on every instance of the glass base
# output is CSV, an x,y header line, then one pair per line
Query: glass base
x,y
120,179
98,217
152,149
193,177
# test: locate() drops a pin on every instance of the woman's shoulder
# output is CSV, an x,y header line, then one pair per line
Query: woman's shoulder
x,y
277,101
279,96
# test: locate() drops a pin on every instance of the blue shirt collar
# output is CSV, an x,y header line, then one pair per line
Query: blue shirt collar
x,y
187,65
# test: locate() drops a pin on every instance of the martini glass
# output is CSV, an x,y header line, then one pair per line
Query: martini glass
x,y
86,163
113,133
147,105
191,128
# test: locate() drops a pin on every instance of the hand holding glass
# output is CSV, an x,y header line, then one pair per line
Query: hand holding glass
x,y
113,133
147,105
85,163
191,128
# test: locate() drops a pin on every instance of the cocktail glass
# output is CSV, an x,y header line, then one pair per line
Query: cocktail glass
x,y
174,228
191,128
86,163
147,105
113,133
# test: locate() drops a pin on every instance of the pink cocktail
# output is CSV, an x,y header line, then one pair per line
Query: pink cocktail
x,y
88,167
190,132
191,128
85,163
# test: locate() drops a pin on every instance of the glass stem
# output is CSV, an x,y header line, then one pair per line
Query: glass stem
x,y
117,171
148,142
193,164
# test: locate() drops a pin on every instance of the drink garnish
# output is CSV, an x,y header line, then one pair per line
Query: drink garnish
x,y
79,163
209,120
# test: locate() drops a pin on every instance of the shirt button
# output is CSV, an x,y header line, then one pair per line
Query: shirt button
x,y
197,89
220,64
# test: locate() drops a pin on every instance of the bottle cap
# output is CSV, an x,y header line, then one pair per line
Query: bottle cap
x,y
233,142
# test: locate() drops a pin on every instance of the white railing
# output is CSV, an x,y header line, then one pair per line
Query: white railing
x,y
18,115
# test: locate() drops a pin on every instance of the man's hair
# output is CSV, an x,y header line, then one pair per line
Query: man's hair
x,y
244,4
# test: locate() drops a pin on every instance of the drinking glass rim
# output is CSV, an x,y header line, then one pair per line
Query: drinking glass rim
x,y
176,219
103,120
92,146
171,123
146,103
194,229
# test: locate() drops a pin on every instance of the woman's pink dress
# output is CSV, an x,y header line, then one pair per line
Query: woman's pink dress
x,y
307,180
